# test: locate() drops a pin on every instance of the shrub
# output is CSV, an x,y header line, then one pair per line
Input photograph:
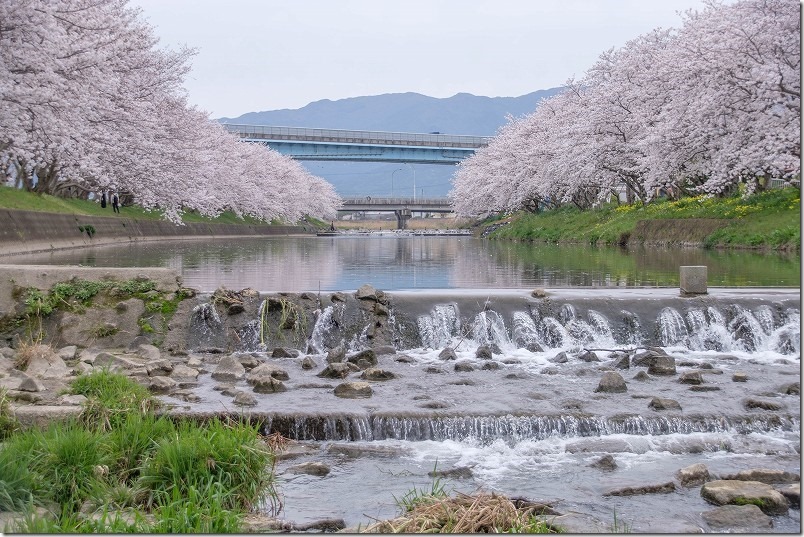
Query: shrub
x,y
111,398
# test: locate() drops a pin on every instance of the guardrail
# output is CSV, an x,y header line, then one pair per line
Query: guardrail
x,y
301,134
368,200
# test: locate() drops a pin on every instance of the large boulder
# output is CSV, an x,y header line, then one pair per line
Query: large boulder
x,y
662,365
45,364
733,492
659,403
738,519
611,383
267,369
694,475
367,356
336,371
229,369
268,384
354,390
373,373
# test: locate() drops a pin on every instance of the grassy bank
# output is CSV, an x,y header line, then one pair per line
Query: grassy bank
x,y
13,198
120,468
770,220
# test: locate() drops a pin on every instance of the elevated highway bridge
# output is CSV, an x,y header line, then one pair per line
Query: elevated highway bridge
x,y
361,146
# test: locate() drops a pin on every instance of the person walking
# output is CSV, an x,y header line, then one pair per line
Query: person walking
x,y
115,203
103,199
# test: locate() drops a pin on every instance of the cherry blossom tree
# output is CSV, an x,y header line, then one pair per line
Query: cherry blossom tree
x,y
703,108
89,103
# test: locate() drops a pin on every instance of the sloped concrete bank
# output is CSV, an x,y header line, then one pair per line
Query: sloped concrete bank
x,y
31,231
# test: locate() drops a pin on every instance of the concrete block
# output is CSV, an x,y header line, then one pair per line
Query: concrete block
x,y
693,280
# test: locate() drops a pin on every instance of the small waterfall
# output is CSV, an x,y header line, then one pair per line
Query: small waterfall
x,y
489,328
747,330
439,327
511,429
323,326
524,332
554,334
671,327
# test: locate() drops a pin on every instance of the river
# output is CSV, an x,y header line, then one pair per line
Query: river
x,y
533,425
391,262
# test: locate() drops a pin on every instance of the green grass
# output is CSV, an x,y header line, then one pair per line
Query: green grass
x,y
176,477
13,198
767,220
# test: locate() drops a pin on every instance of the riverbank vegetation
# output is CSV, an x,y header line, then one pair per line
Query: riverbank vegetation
x,y
768,220
120,467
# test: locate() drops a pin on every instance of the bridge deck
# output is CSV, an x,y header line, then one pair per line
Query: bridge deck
x,y
341,136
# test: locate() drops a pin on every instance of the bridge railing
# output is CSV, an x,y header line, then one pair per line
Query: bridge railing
x,y
265,132
434,202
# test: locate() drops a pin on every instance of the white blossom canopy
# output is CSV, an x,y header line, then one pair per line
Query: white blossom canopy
x,y
89,103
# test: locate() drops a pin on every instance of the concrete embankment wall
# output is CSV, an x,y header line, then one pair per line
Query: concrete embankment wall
x,y
30,231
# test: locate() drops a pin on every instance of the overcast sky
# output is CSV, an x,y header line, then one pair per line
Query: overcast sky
x,y
256,55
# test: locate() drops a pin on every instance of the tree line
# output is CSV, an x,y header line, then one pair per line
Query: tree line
x,y
708,108
90,103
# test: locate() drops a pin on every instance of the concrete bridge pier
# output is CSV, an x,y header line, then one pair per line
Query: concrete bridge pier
x,y
402,217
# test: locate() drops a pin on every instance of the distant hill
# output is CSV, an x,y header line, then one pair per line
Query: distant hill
x,y
462,113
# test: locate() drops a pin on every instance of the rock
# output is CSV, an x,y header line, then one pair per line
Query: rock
x,y
588,356
792,389
483,352
704,388
646,358
448,354
793,494
148,352
231,392
491,366
229,369
464,366
725,492
308,363
327,525
611,383
160,366
182,373
267,384
458,471
662,365
750,404
336,355
691,377
248,361
764,475
538,293
368,355
67,353
367,292
335,371
739,376
281,352
606,462
383,350
45,364
623,362
694,475
353,390
560,358
658,403
576,523
642,376
661,488
404,359
162,384
67,400
374,373
30,384
195,362
267,369
738,519
244,399
310,468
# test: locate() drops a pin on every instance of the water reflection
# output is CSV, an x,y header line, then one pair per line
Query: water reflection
x,y
296,264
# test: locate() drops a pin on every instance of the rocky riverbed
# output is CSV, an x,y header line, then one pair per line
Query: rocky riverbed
x,y
675,439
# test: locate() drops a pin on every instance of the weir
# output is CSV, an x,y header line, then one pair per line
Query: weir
x,y
537,379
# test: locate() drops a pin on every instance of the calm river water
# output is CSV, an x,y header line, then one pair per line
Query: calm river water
x,y
392,262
